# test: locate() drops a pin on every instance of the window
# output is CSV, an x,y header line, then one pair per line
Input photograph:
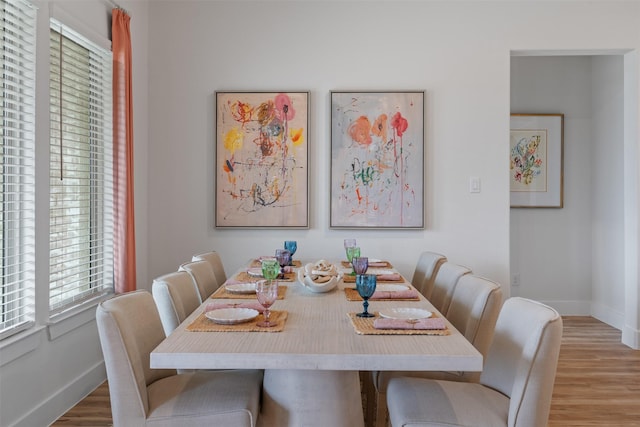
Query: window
x,y
17,175
81,185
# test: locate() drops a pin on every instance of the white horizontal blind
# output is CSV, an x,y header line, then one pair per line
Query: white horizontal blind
x,y
81,170
17,208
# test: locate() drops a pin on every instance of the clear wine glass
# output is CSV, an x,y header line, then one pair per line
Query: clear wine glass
x,y
360,264
349,243
366,286
267,293
284,258
291,246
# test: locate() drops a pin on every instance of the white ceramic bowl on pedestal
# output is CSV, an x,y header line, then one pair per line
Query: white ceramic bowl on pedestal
x,y
319,277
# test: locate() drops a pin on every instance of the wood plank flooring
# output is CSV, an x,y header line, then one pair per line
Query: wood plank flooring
x,y
597,383
598,378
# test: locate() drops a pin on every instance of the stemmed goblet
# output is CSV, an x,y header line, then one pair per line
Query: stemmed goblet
x,y
366,286
270,268
349,243
267,293
291,246
352,252
360,264
284,258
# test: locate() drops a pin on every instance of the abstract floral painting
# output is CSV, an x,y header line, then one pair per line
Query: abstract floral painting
x,y
261,159
529,160
535,160
377,168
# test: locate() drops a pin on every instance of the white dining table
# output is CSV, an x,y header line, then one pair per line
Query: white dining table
x,y
312,366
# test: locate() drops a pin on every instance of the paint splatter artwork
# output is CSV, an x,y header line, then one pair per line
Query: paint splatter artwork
x,y
528,163
377,170
261,159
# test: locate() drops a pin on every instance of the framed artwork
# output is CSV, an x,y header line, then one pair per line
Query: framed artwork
x,y
261,159
536,157
377,160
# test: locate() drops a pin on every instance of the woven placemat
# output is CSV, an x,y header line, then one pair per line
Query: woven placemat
x,y
352,295
364,326
222,293
202,324
243,276
348,278
381,264
256,263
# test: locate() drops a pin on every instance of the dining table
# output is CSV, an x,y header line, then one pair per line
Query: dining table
x,y
312,361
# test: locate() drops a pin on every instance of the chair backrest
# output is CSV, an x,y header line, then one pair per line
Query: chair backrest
x,y
445,283
214,259
129,328
203,276
522,359
176,296
474,309
426,270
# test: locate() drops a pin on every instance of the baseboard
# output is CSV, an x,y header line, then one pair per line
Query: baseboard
x,y
607,315
631,337
48,411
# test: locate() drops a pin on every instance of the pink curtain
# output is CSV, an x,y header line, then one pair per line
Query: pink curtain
x,y
124,233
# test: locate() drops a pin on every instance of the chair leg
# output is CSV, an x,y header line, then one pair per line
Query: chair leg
x,y
381,409
376,403
370,397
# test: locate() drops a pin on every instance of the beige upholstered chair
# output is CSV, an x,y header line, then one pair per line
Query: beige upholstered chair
x,y
214,259
426,270
129,328
176,297
473,311
203,276
444,284
515,386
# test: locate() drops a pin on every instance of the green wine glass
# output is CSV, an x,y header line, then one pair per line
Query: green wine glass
x,y
270,269
352,252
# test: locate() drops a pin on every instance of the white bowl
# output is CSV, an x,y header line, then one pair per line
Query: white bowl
x,y
317,287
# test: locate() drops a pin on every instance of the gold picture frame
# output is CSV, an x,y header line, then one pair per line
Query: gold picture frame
x,y
536,155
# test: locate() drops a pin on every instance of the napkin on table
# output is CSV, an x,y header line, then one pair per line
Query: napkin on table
x,y
408,294
391,277
378,264
435,323
250,304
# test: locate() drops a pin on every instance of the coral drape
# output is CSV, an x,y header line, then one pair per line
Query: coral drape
x,y
124,229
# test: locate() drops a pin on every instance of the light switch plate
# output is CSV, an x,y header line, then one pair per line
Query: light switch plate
x,y
474,184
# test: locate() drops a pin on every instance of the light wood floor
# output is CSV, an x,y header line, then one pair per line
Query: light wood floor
x,y
597,383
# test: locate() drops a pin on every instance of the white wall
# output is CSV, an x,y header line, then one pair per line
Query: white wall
x,y
459,52
607,180
572,257
47,370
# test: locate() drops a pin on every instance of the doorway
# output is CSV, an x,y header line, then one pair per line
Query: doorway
x,y
577,258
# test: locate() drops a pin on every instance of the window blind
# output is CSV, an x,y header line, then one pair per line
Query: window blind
x,y
17,208
81,170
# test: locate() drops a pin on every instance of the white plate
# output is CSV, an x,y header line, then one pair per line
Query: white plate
x,y
255,272
405,313
391,288
241,288
231,316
